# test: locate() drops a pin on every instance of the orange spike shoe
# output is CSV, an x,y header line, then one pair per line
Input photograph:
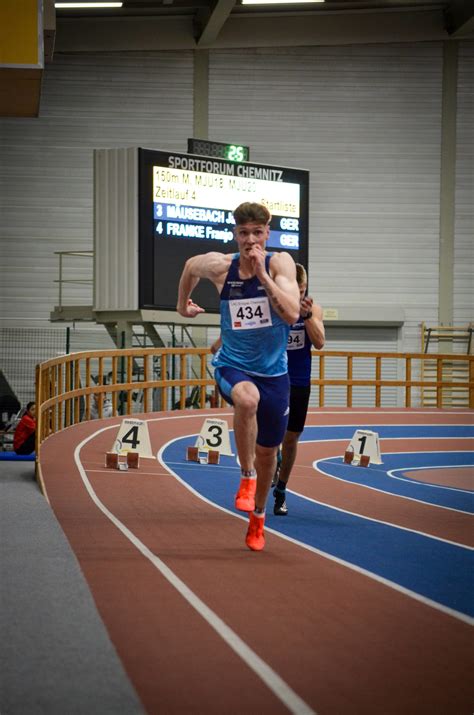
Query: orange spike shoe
x,y
255,538
245,497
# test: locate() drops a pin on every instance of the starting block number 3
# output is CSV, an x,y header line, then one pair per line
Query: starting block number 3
x,y
214,435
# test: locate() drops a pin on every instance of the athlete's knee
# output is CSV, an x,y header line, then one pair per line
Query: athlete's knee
x,y
265,454
245,396
291,439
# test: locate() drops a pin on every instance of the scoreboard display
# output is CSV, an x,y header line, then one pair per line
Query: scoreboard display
x,y
233,152
185,208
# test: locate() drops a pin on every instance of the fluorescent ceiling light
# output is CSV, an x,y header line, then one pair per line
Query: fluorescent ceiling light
x,y
87,4
277,2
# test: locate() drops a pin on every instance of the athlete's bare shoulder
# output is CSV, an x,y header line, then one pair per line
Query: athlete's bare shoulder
x,y
282,263
209,265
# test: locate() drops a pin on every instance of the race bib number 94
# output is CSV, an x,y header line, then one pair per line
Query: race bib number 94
x,y
295,340
250,313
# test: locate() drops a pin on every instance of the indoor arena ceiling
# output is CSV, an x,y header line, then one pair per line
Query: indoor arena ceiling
x,y
147,8
156,25
213,19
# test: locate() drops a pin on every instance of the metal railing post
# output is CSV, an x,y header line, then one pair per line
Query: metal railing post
x,y
60,298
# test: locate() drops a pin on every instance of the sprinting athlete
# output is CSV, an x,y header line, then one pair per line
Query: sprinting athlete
x,y
259,301
307,332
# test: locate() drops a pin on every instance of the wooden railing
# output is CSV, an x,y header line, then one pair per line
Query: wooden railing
x,y
67,386
408,364
157,379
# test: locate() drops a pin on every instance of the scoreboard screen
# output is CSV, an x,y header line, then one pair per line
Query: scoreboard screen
x,y
186,203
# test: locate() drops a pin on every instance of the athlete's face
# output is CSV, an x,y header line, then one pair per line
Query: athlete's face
x,y
251,234
302,287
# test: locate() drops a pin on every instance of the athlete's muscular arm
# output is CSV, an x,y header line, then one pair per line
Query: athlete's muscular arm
x,y
314,325
212,266
280,285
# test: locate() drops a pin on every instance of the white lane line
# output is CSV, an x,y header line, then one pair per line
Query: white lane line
x,y
317,466
381,521
394,439
127,472
392,473
267,675
347,564
353,513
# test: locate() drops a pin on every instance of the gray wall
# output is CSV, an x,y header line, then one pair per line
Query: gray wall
x,y
88,102
366,120
463,274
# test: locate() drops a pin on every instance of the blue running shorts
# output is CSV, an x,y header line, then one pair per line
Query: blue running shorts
x,y
273,407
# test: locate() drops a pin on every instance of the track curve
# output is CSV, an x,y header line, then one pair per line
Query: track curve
x,y
327,618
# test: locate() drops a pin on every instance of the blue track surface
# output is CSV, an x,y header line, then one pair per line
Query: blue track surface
x,y
377,476
434,569
433,432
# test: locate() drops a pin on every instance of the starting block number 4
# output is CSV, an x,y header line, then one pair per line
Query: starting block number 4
x,y
365,443
133,436
214,435
116,461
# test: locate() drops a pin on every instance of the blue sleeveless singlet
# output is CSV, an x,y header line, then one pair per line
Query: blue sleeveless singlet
x,y
254,337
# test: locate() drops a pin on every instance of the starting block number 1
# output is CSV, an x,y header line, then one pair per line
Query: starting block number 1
x,y
365,442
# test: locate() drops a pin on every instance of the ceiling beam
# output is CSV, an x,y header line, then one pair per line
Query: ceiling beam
x,y
248,30
214,24
309,29
460,18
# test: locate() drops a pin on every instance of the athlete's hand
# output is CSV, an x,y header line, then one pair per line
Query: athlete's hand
x,y
257,256
306,305
191,309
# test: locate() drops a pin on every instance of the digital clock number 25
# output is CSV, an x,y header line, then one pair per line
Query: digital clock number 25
x,y
235,152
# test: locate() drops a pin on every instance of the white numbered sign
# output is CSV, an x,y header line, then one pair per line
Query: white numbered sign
x,y
366,442
214,434
133,436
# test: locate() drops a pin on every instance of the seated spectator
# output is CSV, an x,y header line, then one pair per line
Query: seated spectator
x,y
106,407
25,432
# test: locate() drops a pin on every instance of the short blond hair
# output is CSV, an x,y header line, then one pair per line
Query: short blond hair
x,y
301,275
250,212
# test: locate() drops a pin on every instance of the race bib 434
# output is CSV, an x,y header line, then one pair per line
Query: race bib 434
x,y
250,313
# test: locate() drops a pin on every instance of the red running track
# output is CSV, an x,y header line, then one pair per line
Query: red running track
x,y
203,625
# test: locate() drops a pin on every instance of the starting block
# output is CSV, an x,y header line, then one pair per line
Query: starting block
x,y
213,456
363,449
133,436
111,460
210,457
117,461
349,455
133,460
192,454
214,436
